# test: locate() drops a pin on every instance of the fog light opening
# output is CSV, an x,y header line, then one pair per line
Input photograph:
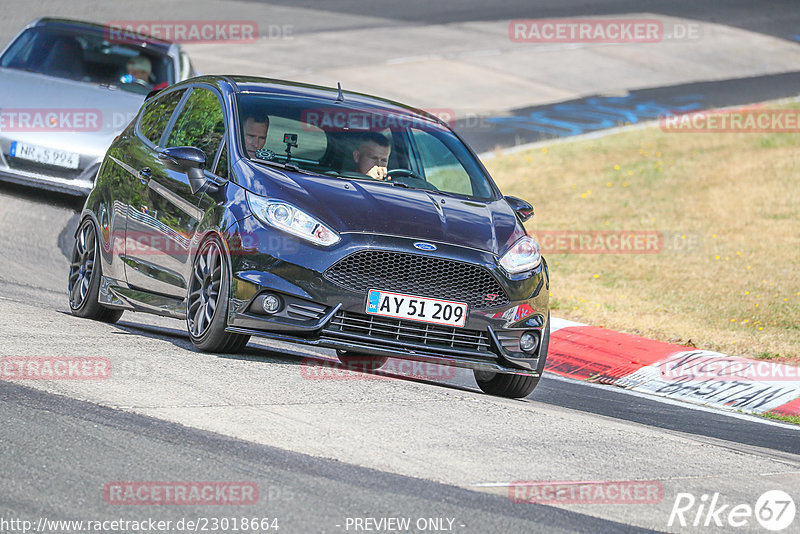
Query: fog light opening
x,y
528,341
271,303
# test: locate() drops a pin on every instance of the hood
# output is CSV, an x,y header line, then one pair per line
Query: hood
x,y
379,208
92,114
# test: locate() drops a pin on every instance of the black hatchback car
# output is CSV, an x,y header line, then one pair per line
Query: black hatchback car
x,y
249,206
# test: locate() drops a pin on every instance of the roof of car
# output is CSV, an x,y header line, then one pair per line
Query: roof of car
x,y
297,89
83,25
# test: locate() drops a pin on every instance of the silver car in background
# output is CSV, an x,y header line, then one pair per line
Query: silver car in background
x,y
65,94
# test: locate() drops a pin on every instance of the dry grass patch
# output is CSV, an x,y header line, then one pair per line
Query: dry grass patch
x,y
728,206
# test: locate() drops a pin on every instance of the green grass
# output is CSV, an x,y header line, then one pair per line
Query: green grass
x,y
728,206
767,356
793,419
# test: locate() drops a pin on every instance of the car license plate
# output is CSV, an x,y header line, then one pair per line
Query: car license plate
x,y
44,155
399,306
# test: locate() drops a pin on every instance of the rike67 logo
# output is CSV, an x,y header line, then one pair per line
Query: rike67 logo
x,y
774,510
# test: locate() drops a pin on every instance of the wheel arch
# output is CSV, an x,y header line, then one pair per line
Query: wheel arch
x,y
223,226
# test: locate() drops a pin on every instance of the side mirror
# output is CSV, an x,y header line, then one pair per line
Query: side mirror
x,y
523,209
192,162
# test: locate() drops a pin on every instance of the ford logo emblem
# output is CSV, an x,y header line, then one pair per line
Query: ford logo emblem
x,y
424,246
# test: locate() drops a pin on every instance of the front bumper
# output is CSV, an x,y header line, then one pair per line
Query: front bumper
x,y
319,312
78,182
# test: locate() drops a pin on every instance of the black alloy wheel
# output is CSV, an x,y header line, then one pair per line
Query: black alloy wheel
x,y
207,301
84,278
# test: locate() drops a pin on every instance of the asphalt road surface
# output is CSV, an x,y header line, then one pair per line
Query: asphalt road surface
x,y
774,17
325,452
75,448
456,58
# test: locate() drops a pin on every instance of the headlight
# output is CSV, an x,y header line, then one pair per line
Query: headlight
x,y
523,256
286,217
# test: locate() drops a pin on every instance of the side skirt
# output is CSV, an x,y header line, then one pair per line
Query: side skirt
x,y
117,294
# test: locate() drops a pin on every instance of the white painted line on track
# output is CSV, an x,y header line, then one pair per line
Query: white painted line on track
x,y
557,323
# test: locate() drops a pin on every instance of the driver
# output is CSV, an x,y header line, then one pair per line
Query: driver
x,y
255,134
372,155
139,68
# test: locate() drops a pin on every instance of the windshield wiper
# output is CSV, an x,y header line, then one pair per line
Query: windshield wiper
x,y
434,191
288,166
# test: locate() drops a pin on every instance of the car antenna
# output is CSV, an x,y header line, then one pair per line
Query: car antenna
x,y
340,96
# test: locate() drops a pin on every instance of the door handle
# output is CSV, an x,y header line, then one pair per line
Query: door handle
x,y
145,174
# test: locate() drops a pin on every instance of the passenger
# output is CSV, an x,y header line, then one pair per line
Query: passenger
x,y
255,134
372,155
139,68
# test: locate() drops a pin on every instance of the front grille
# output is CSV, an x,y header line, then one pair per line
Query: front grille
x,y
417,275
404,331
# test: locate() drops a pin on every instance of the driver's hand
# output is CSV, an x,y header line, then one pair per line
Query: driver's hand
x,y
379,173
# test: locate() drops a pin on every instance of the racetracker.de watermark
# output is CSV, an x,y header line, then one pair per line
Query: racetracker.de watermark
x,y
600,241
145,243
732,121
348,120
180,493
345,120
587,492
54,368
40,120
603,30
586,31
194,31
701,366
313,369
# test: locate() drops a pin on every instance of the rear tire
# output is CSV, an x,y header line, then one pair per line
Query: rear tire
x,y
207,301
515,386
361,362
85,273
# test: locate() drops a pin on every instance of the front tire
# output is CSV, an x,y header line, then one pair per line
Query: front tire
x,y
510,386
207,301
85,273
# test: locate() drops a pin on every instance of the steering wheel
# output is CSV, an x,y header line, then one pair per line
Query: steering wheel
x,y
410,178
130,80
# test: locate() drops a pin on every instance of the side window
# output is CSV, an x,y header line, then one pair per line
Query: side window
x,y
221,169
20,51
157,114
200,124
442,169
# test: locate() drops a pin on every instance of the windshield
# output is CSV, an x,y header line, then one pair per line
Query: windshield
x,y
88,57
358,143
